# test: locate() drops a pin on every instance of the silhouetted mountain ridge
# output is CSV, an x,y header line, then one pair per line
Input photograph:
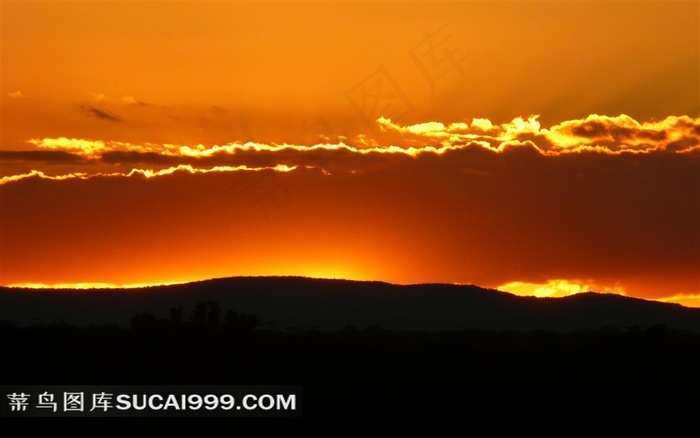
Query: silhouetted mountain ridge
x,y
333,304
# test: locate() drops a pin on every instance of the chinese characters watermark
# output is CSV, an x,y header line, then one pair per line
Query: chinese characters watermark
x,y
434,57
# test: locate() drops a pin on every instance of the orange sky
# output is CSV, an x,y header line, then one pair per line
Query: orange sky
x,y
548,146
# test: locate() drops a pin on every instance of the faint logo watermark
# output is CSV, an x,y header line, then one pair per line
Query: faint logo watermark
x,y
264,190
379,95
319,130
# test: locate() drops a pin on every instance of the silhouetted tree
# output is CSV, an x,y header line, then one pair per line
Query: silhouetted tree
x,y
657,330
241,321
214,315
199,314
4,324
144,321
177,315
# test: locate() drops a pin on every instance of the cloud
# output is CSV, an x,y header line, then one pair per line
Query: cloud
x,y
557,288
87,148
124,100
623,133
114,151
41,156
131,101
99,97
596,133
690,300
37,173
134,157
101,114
402,144
563,288
16,94
145,173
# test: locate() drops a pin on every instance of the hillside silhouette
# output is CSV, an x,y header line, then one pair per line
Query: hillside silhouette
x,y
333,304
372,359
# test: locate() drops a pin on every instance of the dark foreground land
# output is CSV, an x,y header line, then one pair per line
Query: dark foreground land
x,y
372,382
373,359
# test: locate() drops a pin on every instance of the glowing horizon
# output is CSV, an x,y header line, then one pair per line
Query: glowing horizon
x,y
551,289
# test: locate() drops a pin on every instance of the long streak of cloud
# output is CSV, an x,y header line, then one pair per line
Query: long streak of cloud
x,y
146,173
611,135
600,135
101,114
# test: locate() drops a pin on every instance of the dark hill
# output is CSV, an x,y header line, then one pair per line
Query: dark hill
x,y
333,304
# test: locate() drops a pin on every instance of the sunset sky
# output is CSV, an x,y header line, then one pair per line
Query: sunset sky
x,y
543,148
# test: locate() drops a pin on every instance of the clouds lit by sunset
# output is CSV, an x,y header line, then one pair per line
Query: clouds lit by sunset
x,y
540,148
